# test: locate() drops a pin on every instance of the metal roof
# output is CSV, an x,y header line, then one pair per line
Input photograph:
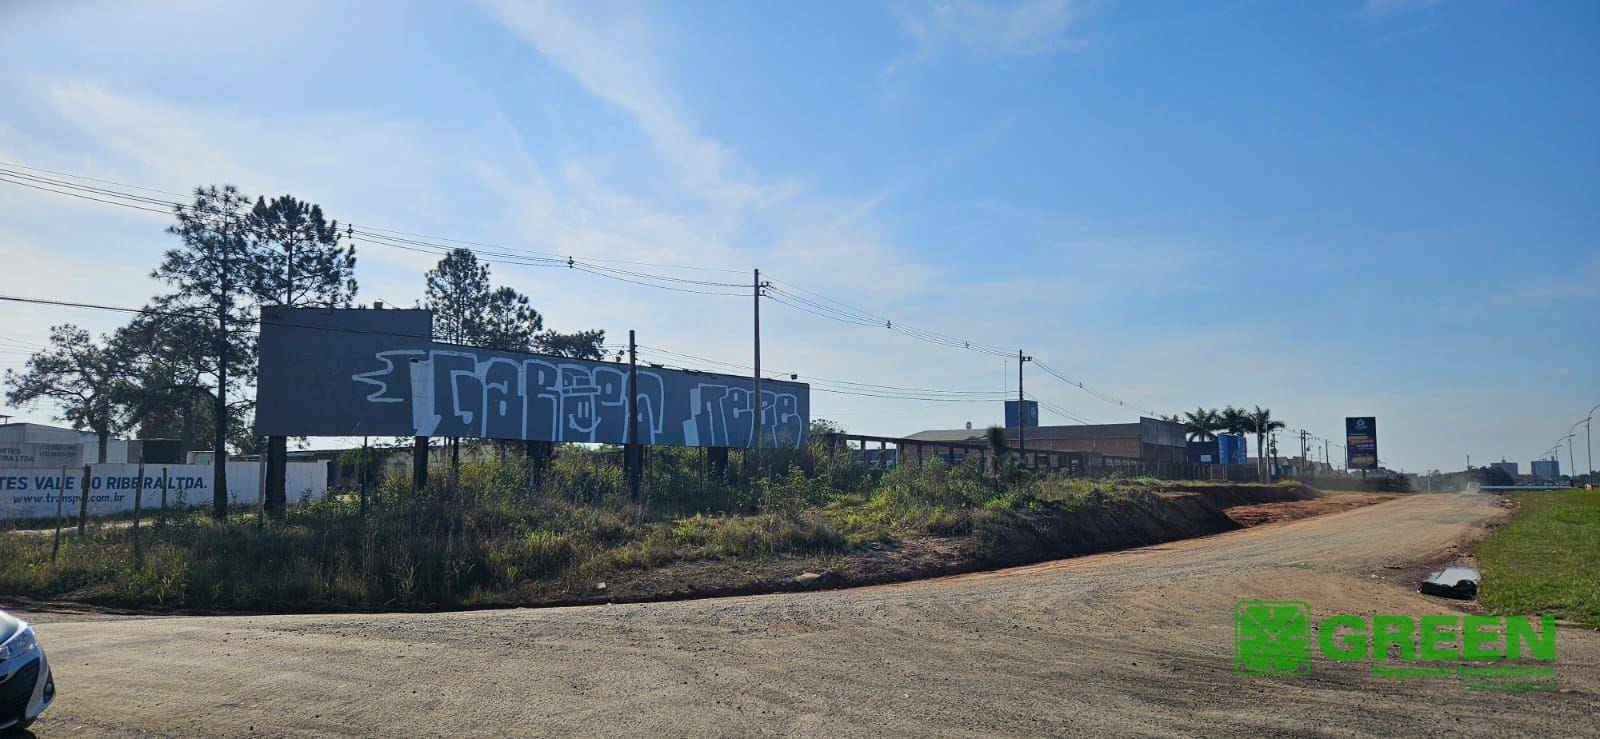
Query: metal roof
x,y
1096,431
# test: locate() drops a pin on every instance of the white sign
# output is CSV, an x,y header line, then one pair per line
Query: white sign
x,y
33,493
40,455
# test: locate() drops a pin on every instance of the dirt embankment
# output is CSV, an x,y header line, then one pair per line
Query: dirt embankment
x,y
1256,515
1132,520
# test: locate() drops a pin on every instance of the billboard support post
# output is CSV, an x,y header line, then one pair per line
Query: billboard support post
x,y
632,460
277,479
366,469
419,463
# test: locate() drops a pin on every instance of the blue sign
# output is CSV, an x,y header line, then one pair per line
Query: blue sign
x,y
1361,443
1030,413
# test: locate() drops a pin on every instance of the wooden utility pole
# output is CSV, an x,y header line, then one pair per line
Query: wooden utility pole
x,y
1022,413
632,450
1305,453
756,402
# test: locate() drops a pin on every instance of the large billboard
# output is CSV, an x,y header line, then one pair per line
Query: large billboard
x,y
1361,443
343,372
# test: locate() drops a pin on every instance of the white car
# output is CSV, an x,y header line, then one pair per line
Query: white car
x,y
26,685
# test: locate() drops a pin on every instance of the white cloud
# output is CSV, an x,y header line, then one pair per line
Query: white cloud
x,y
1385,7
988,30
734,215
612,55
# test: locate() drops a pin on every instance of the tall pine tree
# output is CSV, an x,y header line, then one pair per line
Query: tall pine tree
x,y
469,309
304,260
217,275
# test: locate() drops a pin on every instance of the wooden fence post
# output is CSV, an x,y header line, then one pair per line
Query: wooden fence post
x,y
138,504
61,494
83,503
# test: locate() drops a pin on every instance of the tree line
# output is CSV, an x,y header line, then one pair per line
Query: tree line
x,y
182,368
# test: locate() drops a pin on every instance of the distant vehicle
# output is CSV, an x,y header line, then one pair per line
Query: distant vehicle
x,y
26,685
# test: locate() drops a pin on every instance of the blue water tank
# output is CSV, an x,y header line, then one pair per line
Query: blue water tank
x,y
1230,449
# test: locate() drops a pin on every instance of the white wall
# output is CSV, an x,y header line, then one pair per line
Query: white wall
x,y
32,493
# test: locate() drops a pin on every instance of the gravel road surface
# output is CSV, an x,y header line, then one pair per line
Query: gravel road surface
x,y
1130,643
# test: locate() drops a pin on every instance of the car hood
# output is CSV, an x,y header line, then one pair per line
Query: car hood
x,y
9,626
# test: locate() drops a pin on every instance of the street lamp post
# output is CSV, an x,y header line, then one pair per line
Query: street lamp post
x,y
1588,441
1568,439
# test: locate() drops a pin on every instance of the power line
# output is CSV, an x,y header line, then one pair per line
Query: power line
x,y
385,237
150,205
777,374
862,391
786,293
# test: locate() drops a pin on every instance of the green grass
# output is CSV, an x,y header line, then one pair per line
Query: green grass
x,y
1546,559
496,540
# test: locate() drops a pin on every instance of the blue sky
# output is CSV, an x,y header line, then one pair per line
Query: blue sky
x,y
1339,208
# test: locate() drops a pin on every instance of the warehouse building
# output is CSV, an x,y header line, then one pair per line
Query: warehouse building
x,y
1150,440
37,444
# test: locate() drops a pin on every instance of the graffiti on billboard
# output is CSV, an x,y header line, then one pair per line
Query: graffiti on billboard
x,y
352,372
458,392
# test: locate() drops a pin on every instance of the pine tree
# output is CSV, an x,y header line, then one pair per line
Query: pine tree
x,y
458,294
304,262
218,276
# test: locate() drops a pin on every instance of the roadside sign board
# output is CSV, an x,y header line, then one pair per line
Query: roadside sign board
x,y
1361,442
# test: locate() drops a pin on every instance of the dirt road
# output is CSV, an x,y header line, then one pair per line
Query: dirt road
x,y
1137,642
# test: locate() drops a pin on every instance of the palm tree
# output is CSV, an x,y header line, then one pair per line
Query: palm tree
x,y
996,437
1201,424
1262,424
1234,420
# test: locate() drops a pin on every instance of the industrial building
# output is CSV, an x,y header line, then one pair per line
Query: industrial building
x,y
1546,470
1150,440
37,441
1510,468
